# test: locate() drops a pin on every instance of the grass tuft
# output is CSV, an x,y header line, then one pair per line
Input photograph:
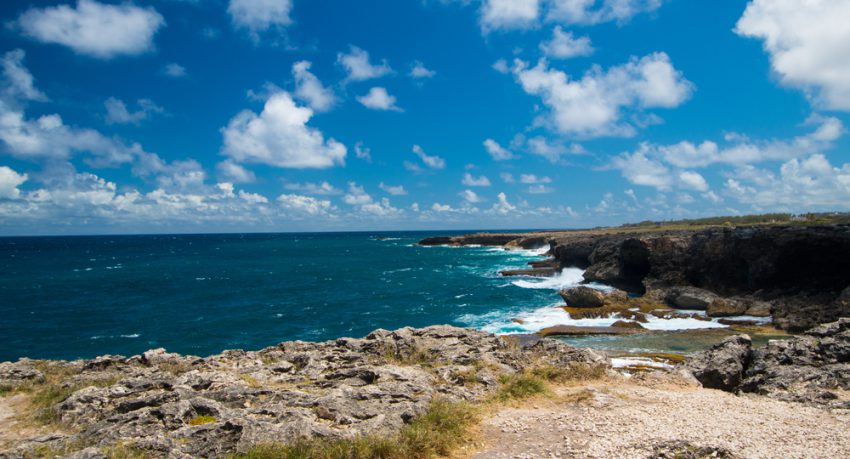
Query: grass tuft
x,y
438,432
520,386
201,420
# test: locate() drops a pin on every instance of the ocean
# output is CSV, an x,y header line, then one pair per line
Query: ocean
x,y
79,297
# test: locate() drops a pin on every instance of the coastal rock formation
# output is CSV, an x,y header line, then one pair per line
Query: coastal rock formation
x,y
169,405
723,365
799,275
812,368
583,297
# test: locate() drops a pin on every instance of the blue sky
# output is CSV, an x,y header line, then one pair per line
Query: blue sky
x,y
296,115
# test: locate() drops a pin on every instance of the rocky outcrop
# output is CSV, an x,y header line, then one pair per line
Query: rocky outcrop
x,y
723,365
583,297
812,368
176,406
799,275
474,239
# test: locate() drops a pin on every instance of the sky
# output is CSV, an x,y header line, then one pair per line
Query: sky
x,y
186,116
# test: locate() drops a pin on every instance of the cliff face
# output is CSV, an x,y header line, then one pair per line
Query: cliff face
x,y
802,271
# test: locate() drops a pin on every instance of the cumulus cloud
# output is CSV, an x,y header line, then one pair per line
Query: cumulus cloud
x,y
801,185
356,64
470,197
18,82
496,151
279,136
259,15
508,14
669,166
507,177
94,29
419,71
310,90
397,190
117,112
503,207
235,173
469,180
9,183
563,45
588,12
362,152
322,188
531,179
379,99
304,204
174,70
432,162
595,105
539,189
808,43
553,151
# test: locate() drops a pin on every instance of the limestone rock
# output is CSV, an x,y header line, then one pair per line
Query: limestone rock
x,y
583,297
723,365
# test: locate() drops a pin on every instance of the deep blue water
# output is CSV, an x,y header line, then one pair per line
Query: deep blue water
x,y
70,297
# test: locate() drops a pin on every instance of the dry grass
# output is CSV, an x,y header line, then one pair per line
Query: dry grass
x,y
201,420
443,428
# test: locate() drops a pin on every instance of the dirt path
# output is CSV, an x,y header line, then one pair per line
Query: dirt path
x,y
626,419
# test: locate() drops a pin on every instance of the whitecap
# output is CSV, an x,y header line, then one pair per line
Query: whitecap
x,y
626,362
131,335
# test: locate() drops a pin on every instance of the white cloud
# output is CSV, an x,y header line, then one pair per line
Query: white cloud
x,y
639,169
279,136
433,162
496,151
801,185
470,196
117,112
531,179
49,137
507,177
539,189
174,70
356,195
509,14
362,152
808,43
437,207
356,63
419,71
235,173
304,204
9,183
503,206
94,29
594,106
587,12
552,151
393,190
310,90
693,180
260,15
322,188
564,45
18,82
741,150
379,99
469,180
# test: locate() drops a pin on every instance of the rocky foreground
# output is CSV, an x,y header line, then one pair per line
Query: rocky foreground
x,y
168,405
175,406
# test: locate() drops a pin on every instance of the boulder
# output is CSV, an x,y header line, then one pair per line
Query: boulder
x,y
583,297
723,365
724,307
690,298
627,324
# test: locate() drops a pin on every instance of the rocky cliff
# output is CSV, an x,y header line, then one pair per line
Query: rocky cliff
x,y
175,406
801,272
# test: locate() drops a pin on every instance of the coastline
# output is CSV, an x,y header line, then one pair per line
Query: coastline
x,y
161,404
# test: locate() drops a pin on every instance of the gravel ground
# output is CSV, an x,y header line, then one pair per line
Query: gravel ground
x,y
626,418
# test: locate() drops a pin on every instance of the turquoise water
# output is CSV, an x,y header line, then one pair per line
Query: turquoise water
x,y
70,297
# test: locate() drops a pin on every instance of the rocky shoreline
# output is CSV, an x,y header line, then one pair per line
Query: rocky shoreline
x,y
797,275
165,405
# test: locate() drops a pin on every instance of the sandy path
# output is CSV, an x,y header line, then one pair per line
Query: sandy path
x,y
624,420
